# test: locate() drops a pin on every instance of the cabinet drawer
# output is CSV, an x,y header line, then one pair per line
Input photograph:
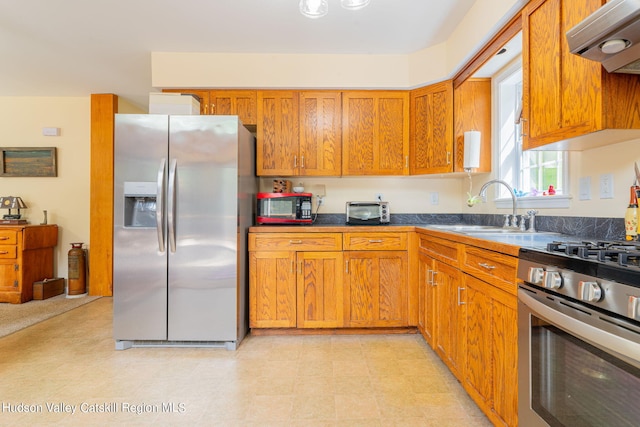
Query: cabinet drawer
x,y
375,241
494,268
8,252
295,241
443,250
8,237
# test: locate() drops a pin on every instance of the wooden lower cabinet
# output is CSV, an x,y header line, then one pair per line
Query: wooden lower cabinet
x,y
320,302
272,287
426,299
491,351
450,316
376,289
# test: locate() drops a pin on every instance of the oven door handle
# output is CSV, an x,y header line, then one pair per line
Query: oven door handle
x,y
605,340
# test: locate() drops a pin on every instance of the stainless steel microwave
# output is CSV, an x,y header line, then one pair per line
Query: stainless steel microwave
x,y
284,208
368,213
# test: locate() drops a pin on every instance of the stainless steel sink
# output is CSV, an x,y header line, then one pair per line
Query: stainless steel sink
x,y
464,228
486,230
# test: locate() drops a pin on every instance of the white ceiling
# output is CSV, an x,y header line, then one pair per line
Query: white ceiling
x,y
79,47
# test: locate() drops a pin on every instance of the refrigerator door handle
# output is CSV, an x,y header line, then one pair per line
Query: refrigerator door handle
x,y
171,205
160,206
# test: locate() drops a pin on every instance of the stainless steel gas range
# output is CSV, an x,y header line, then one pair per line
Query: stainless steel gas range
x,y
579,334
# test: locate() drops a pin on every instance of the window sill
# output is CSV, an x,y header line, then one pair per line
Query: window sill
x,y
542,202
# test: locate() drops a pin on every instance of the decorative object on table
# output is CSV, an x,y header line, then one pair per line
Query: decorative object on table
x,y
281,186
298,188
12,202
27,161
45,217
77,271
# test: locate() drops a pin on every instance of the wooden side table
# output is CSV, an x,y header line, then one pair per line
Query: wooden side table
x,y
26,256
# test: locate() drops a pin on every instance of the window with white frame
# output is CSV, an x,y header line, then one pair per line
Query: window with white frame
x,y
530,173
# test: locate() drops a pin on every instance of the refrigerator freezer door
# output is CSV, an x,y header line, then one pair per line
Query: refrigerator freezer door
x,y
139,264
203,268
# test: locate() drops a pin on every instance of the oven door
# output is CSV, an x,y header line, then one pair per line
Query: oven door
x,y
576,367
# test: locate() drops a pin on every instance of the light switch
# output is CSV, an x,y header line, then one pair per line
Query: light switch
x,y
434,198
606,186
585,188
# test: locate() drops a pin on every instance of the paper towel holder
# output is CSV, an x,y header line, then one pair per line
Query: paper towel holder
x,y
471,150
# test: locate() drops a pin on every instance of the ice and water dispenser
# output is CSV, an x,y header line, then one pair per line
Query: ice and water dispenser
x,y
140,204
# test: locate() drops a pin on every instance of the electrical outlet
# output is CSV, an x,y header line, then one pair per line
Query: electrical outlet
x,y
379,197
435,198
320,200
606,186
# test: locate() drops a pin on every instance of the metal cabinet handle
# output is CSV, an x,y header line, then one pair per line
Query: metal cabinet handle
x,y
460,302
4,252
448,157
295,242
487,266
406,162
346,266
4,238
302,162
292,264
376,240
433,278
430,274
295,162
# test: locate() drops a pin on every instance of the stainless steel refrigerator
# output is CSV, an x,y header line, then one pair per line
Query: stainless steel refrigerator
x,y
184,191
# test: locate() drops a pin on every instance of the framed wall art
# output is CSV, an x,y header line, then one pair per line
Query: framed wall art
x,y
27,161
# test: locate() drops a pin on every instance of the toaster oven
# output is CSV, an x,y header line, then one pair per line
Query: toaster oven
x,y
367,213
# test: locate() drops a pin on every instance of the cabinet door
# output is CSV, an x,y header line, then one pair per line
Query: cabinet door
x,y
432,129
562,93
491,376
375,128
376,293
478,372
449,315
241,103
426,299
472,111
320,290
320,134
272,289
277,133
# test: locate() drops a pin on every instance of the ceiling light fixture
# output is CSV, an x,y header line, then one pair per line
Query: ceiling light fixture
x,y
319,8
354,4
314,8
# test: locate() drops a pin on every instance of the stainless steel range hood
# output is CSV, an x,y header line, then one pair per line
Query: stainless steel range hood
x,y
610,35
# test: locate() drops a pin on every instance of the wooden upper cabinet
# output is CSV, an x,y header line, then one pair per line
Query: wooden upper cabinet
x,y
320,133
200,93
277,133
564,95
472,111
375,127
432,129
241,103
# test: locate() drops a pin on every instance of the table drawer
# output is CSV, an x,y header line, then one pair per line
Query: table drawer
x,y
8,252
375,241
494,268
8,237
295,241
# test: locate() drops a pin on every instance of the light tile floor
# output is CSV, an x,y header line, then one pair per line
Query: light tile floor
x,y
347,380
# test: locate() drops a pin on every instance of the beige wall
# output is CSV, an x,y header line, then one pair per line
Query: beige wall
x,y
65,197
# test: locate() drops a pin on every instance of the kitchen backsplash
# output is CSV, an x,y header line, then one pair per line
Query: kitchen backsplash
x,y
593,228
